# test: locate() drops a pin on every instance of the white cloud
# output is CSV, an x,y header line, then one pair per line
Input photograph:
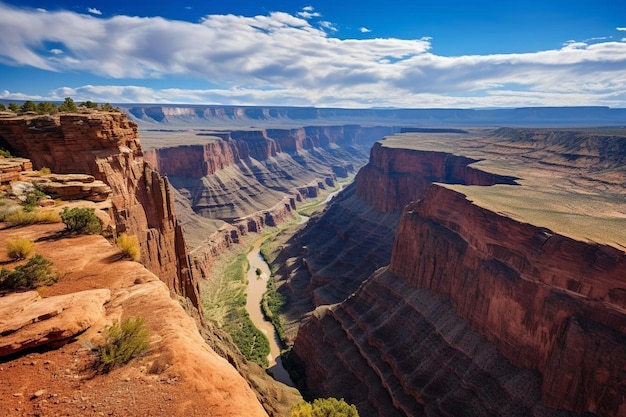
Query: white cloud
x,y
93,10
621,29
45,11
56,51
285,59
365,30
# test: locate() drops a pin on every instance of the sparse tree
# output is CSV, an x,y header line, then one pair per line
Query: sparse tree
x,y
89,104
68,106
109,108
46,108
28,105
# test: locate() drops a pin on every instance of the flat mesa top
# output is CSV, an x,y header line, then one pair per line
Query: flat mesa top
x,y
572,182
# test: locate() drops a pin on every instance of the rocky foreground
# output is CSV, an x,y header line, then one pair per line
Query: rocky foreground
x,y
48,337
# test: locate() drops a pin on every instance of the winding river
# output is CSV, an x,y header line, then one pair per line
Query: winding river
x,y
257,285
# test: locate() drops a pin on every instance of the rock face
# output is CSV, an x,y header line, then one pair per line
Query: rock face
x,y
336,252
236,173
392,179
480,313
542,299
106,146
28,321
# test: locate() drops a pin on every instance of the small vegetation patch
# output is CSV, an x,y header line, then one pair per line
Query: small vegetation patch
x,y
21,218
19,247
129,246
324,407
35,273
81,220
124,341
272,304
224,301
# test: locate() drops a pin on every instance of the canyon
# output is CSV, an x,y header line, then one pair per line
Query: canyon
x,y
503,293
469,270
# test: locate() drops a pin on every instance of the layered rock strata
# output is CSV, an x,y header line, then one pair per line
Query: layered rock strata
x,y
332,256
230,174
106,145
480,312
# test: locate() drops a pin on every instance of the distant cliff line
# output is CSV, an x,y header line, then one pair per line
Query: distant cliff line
x,y
148,116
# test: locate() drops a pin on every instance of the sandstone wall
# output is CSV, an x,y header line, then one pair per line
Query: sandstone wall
x,y
542,299
106,145
394,177
477,314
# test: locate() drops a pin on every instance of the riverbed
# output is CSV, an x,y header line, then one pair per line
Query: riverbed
x,y
257,285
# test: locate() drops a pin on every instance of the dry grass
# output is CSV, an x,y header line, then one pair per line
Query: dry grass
x,y
19,248
129,246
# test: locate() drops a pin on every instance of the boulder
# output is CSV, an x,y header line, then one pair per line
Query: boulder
x,y
28,321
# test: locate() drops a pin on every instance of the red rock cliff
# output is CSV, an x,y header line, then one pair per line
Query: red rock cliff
x,y
478,313
394,177
547,302
106,145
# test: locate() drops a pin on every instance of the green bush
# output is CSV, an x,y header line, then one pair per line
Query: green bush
x,y
19,247
123,342
32,199
326,407
68,106
81,220
129,246
35,273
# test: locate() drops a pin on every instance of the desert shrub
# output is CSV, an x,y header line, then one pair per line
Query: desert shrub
x,y
88,104
21,218
32,199
35,273
48,216
5,154
14,107
81,220
129,246
2,107
324,407
19,247
124,341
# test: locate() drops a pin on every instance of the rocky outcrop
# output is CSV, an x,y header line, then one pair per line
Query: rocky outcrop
x,y
106,146
29,321
179,375
393,178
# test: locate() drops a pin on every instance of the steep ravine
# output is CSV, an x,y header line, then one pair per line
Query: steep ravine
x,y
478,313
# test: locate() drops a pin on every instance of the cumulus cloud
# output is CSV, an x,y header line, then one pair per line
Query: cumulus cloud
x,y
93,10
291,59
308,12
363,29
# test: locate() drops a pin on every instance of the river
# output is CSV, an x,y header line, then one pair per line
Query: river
x,y
256,288
257,285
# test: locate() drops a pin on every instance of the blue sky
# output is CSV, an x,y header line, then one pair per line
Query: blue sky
x,y
468,54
